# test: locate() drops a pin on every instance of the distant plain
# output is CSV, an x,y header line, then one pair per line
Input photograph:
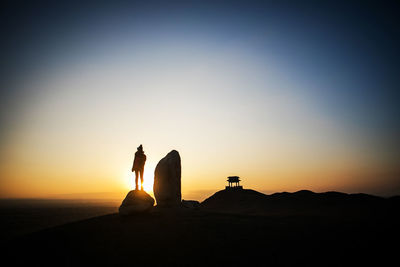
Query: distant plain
x,y
23,216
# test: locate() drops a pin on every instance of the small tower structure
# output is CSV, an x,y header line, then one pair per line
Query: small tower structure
x,y
233,183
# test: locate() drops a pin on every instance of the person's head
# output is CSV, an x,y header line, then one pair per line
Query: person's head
x,y
140,148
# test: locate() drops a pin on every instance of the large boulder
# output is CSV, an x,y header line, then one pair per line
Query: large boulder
x,y
167,180
137,201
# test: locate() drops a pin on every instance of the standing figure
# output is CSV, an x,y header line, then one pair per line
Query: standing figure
x,y
138,166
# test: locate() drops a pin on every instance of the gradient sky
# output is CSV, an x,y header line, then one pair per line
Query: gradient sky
x,y
290,95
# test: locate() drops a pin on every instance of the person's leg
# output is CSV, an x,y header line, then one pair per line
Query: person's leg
x,y
141,178
136,179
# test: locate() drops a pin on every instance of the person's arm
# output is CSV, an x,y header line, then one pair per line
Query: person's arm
x,y
133,163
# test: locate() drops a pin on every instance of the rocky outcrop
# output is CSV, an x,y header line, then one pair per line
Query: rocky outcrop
x,y
137,201
167,180
190,204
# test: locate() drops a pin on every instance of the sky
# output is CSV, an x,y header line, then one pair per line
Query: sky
x,y
288,95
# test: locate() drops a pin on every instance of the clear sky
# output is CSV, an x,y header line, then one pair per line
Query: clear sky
x,y
289,96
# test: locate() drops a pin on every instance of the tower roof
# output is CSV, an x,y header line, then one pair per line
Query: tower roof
x,y
233,179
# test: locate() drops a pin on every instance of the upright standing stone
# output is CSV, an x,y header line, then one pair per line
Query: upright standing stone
x,y
167,180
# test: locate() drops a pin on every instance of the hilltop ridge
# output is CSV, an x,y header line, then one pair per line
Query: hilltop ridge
x,y
247,201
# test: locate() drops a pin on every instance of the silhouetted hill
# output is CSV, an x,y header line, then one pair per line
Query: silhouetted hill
x,y
237,201
247,201
395,199
316,229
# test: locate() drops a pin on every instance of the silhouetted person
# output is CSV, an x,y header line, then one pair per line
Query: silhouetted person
x,y
138,166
